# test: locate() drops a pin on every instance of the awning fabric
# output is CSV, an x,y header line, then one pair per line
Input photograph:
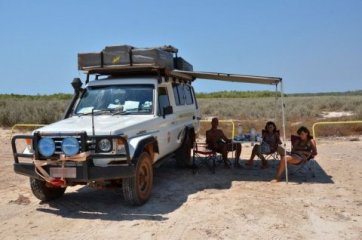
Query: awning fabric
x,y
229,77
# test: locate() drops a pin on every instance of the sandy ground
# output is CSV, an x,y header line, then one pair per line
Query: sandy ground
x,y
231,204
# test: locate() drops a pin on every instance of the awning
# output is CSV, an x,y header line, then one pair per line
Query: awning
x,y
229,77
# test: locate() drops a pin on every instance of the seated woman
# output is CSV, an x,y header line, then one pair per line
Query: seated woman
x,y
218,142
302,150
270,144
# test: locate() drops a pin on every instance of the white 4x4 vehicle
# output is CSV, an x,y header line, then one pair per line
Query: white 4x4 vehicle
x,y
116,128
139,110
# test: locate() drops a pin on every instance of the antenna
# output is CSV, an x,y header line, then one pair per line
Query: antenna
x,y
93,131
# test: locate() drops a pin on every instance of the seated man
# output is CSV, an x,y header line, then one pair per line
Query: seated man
x,y
218,142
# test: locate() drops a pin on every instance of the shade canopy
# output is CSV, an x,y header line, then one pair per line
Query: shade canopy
x,y
241,79
229,77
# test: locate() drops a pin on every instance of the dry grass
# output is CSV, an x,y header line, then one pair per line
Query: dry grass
x,y
13,111
254,112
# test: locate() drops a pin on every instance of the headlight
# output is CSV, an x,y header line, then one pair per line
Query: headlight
x,y
70,146
105,145
46,147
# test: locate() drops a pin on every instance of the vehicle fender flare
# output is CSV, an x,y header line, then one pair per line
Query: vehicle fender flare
x,y
140,144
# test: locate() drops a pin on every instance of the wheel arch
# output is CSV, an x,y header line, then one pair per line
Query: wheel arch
x,y
148,144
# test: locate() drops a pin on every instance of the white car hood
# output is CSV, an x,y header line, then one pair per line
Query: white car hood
x,y
103,124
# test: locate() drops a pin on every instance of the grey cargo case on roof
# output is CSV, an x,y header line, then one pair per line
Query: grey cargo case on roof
x,y
125,55
86,60
152,57
110,56
182,64
117,55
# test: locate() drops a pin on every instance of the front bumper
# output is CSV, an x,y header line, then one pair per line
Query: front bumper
x,y
86,171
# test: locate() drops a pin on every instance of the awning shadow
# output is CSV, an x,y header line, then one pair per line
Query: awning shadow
x,y
172,187
304,175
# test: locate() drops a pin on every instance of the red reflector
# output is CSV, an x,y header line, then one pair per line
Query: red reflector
x,y
57,182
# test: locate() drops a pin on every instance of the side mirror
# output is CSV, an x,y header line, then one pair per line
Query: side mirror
x,y
167,110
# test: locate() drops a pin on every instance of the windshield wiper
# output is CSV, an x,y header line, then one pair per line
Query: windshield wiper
x,y
119,111
95,112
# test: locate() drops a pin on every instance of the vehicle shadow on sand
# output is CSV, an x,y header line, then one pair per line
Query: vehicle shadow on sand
x,y
172,187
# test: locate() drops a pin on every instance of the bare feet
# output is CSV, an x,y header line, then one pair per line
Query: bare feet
x,y
227,164
249,163
275,180
237,164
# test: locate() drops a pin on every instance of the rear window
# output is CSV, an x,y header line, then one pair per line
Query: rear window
x,y
188,95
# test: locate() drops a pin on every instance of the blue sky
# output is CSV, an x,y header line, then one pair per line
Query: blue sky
x,y
315,45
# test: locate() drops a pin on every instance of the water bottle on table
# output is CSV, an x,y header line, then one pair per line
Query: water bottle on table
x,y
252,136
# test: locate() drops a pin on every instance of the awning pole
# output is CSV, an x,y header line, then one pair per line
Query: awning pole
x,y
284,134
276,103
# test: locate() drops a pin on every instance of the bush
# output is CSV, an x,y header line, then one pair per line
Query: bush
x,y
31,109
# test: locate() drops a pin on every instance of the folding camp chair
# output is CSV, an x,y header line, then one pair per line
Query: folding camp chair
x,y
273,155
305,167
206,156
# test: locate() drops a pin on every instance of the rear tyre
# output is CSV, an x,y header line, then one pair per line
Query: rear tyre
x,y
43,191
183,154
137,189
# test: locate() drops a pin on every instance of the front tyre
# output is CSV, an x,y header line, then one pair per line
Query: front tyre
x,y
43,191
137,189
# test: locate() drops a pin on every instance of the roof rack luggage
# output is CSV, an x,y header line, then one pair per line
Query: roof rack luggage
x,y
125,56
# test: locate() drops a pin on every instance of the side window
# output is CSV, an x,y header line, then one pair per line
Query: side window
x,y
188,95
175,93
163,100
194,95
181,93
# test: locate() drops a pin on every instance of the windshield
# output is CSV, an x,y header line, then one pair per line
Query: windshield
x,y
130,99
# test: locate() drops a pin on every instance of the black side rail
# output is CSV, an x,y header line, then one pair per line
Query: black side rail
x,y
15,152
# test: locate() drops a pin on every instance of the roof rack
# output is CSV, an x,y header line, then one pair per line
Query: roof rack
x,y
127,70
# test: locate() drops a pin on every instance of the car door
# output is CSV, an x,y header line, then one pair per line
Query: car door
x,y
164,123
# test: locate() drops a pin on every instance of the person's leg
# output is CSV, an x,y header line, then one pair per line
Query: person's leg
x,y
264,162
223,150
282,166
281,151
237,148
254,152
238,151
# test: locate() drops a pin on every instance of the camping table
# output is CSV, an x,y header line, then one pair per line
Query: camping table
x,y
252,143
